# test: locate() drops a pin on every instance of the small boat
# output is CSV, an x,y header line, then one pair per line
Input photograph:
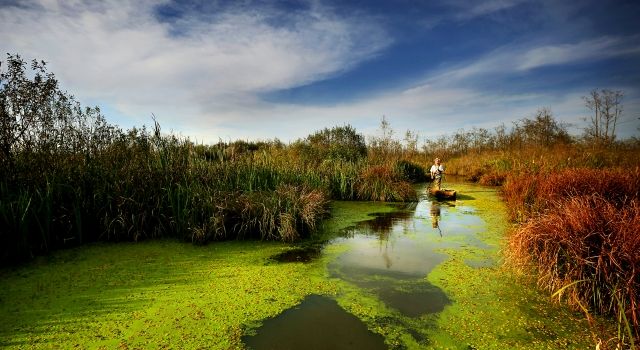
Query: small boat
x,y
443,194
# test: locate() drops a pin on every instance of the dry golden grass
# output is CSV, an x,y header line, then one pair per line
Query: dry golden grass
x,y
383,183
581,232
529,194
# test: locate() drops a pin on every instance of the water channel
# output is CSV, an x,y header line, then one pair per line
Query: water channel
x,y
387,256
424,275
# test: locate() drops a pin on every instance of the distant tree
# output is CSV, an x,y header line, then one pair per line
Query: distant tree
x,y
385,127
481,139
460,142
340,142
439,147
542,130
411,142
385,146
606,108
501,138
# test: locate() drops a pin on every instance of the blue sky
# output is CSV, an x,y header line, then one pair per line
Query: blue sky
x,y
225,70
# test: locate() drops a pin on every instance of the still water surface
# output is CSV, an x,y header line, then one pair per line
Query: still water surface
x,y
388,256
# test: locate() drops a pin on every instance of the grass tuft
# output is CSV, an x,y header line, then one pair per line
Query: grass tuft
x,y
581,228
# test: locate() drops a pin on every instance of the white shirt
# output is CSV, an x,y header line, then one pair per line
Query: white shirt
x,y
437,170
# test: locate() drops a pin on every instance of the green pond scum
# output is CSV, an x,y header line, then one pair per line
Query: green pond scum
x,y
155,294
169,294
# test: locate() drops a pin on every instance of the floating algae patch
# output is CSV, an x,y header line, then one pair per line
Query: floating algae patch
x,y
493,309
392,272
155,294
390,254
166,294
417,300
317,323
475,303
480,262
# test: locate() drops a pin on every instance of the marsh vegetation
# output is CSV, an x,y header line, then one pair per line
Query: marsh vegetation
x,y
69,178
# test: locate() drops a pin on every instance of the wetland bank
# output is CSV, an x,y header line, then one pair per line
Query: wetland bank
x,y
381,276
96,225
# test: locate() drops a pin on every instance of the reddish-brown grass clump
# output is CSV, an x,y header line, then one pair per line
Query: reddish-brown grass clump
x,y
492,179
581,228
530,194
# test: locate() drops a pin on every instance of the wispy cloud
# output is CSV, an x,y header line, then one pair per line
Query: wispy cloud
x,y
588,50
471,9
447,99
522,58
119,53
204,75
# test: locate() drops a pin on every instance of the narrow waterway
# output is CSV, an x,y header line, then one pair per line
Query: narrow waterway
x,y
388,256
387,260
425,275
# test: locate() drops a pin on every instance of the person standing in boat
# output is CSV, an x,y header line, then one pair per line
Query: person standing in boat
x,y
437,170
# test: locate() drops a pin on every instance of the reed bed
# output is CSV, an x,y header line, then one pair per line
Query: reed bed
x,y
491,167
384,183
143,185
529,194
68,177
146,186
580,232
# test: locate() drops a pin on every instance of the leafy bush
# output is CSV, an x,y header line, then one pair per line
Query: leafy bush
x,y
338,143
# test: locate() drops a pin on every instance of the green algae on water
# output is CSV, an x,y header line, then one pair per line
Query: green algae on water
x,y
151,294
492,309
168,294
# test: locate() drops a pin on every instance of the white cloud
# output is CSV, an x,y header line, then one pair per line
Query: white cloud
x,y
204,77
471,9
521,58
120,54
588,50
445,101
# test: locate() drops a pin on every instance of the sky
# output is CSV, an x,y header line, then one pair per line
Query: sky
x,y
255,70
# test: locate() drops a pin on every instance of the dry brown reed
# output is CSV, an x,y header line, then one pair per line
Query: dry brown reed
x,y
531,160
384,183
529,194
287,214
493,179
581,233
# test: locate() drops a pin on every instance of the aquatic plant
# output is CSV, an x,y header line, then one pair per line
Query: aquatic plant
x,y
67,177
581,232
529,194
411,171
383,183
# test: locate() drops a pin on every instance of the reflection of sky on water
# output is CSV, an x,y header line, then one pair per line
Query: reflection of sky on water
x,y
392,253
452,220
406,241
399,253
388,256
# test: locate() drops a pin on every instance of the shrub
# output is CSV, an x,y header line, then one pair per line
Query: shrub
x,y
337,143
528,194
590,240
